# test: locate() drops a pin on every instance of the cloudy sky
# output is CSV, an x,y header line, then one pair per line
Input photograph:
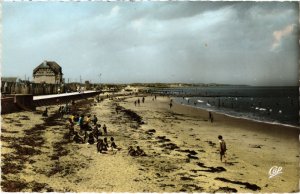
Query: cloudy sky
x,y
250,43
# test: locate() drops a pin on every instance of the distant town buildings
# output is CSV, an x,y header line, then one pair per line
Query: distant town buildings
x,y
48,72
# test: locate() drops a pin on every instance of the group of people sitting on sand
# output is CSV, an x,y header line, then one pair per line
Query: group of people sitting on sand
x,y
136,152
86,129
89,131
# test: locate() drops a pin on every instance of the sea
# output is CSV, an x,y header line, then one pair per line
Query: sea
x,y
267,104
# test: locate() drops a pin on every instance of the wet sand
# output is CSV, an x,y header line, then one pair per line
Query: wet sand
x,y
180,143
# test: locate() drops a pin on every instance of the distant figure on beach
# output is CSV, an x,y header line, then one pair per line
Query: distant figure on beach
x,y
80,122
113,144
134,103
131,151
138,101
101,146
77,138
222,148
211,118
96,132
71,118
171,104
45,113
95,120
91,139
140,152
86,123
71,129
143,99
137,152
105,129
155,97
105,142
76,118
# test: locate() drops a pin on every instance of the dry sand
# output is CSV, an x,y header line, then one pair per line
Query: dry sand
x,y
182,152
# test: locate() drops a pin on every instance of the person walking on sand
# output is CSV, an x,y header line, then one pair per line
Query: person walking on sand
x,y
143,99
134,103
138,102
222,148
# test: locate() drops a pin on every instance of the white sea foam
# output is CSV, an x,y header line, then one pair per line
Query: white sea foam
x,y
244,117
200,101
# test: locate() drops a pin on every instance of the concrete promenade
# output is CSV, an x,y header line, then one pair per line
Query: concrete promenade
x,y
21,102
62,95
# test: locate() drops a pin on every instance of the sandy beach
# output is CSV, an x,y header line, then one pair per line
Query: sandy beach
x,y
180,143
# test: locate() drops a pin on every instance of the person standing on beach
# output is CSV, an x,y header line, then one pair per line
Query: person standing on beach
x,y
45,113
105,129
211,118
138,101
222,148
143,99
171,104
95,120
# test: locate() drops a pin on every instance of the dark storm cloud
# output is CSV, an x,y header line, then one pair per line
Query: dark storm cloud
x,y
222,42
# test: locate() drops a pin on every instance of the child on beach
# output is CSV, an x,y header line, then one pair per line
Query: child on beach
x,y
105,142
222,148
211,118
105,129
45,113
96,131
77,138
131,151
113,144
91,139
101,146
140,152
95,120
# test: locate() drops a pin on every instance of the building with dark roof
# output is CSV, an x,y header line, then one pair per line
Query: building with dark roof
x,y
48,72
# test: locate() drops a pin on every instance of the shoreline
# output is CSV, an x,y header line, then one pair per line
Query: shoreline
x,y
240,117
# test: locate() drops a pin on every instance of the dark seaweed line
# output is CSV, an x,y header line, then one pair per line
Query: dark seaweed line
x,y
247,185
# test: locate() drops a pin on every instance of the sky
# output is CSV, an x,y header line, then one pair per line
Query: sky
x,y
242,43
